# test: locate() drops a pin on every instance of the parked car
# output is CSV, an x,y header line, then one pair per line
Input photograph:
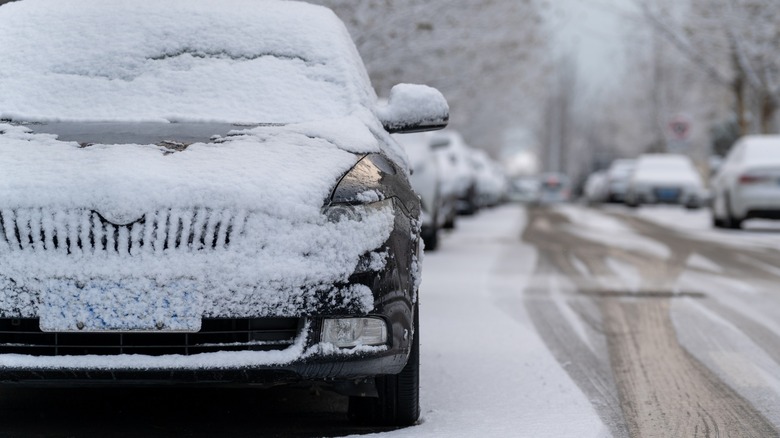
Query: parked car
x,y
747,184
554,188
596,188
206,192
618,176
524,189
665,179
426,178
460,181
491,182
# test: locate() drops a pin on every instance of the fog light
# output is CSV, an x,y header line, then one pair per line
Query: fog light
x,y
351,332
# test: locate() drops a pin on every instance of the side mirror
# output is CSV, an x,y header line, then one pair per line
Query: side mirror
x,y
414,108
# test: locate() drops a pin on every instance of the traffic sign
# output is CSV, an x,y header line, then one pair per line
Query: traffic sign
x,y
680,128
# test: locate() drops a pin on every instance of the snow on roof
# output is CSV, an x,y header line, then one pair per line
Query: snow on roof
x,y
762,149
668,168
253,61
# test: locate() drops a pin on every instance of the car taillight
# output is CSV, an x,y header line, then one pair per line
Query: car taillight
x,y
753,179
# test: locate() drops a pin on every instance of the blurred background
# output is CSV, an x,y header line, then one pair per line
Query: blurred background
x,y
569,86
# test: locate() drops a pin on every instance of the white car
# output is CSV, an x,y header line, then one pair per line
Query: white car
x,y
491,182
426,179
597,187
665,179
618,176
460,179
524,189
747,184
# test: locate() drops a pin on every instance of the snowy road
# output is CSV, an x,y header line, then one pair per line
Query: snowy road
x,y
551,322
669,328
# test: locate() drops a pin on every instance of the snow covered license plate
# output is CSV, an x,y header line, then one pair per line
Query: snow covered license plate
x,y
107,307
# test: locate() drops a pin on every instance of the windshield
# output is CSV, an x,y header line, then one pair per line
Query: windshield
x,y
182,62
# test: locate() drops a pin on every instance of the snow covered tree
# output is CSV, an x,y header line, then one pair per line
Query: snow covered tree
x,y
484,56
737,43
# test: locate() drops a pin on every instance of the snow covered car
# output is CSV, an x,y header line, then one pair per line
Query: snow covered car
x,y
491,182
426,179
596,187
460,178
747,184
207,192
665,179
524,189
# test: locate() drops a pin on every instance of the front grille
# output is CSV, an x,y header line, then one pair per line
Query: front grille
x,y
81,231
23,336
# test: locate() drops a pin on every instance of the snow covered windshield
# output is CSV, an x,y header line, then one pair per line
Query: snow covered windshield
x,y
237,61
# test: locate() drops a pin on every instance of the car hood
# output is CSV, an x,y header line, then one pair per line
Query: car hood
x,y
136,167
235,224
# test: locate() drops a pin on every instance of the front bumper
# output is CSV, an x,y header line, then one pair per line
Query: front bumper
x,y
304,359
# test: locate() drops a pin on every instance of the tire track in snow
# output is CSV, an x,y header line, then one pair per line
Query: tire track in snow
x,y
662,389
589,369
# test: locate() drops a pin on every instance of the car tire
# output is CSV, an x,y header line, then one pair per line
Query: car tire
x,y
717,223
398,403
732,221
431,239
449,224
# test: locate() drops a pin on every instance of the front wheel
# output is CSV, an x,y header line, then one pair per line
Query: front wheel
x,y
732,221
398,403
430,237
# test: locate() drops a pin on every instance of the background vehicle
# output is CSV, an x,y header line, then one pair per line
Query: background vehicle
x,y
426,178
276,243
554,188
524,189
597,187
665,179
491,183
618,176
747,184
460,179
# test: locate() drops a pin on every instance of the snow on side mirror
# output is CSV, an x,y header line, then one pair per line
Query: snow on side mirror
x,y
414,108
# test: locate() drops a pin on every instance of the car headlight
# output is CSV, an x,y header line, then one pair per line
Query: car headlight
x,y
364,183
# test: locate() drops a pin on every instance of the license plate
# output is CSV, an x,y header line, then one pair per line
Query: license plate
x,y
119,307
667,194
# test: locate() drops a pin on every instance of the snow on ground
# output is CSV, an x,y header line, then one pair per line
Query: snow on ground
x,y
698,224
484,368
599,227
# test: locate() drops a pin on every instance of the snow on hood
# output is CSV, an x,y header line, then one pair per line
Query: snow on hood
x,y
268,184
249,61
283,170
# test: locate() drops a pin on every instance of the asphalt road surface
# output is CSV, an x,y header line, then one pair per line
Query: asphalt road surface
x,y
663,342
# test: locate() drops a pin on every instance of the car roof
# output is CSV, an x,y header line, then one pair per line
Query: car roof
x,y
151,55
